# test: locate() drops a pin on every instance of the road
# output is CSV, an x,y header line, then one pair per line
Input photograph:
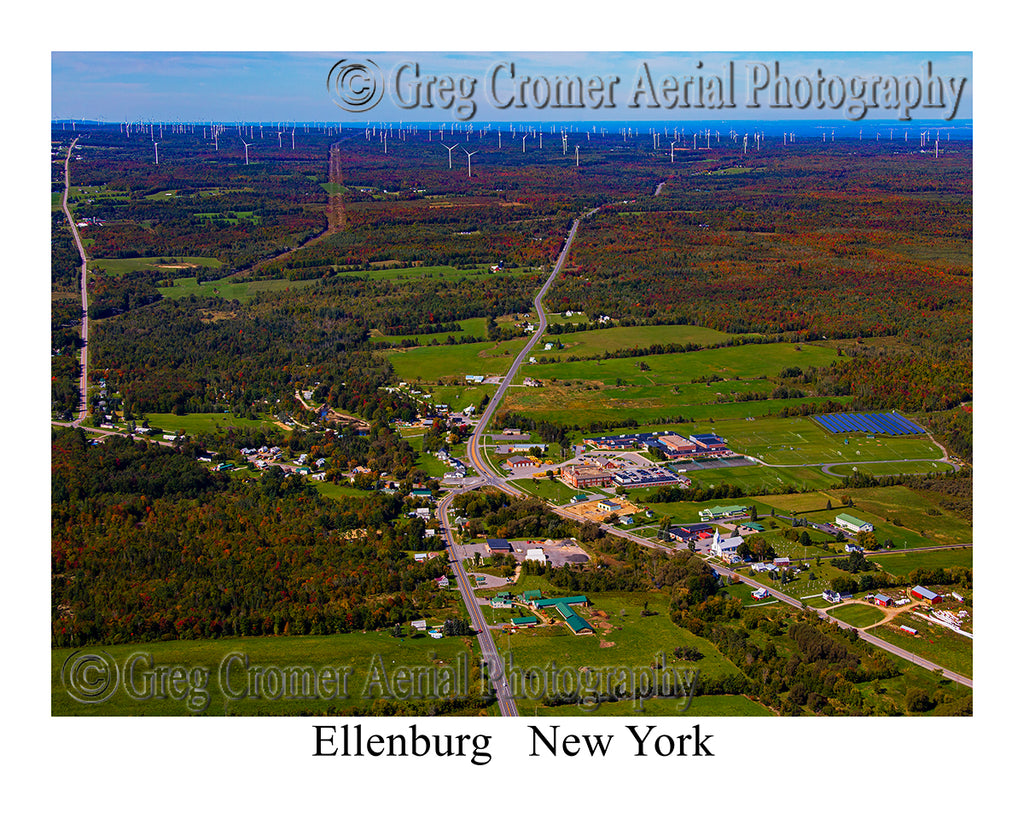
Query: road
x,y
83,382
506,703
495,666
475,445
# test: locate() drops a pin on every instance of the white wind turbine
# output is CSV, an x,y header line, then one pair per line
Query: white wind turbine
x,y
456,145
246,144
469,161
672,152
156,153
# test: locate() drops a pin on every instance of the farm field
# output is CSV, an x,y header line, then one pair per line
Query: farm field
x,y
470,327
932,641
430,364
441,272
230,290
159,264
356,651
597,342
906,563
709,705
200,422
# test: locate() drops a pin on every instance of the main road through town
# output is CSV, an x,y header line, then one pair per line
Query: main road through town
x,y
83,382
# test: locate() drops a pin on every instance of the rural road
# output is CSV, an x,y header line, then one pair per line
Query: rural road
x,y
83,382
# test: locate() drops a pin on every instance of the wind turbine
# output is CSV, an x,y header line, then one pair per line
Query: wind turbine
x,y
246,144
672,152
456,145
469,161
578,155
156,152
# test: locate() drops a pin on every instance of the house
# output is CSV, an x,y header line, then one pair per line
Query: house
x,y
419,557
579,498
852,524
759,594
831,596
782,562
627,520
442,582
921,593
498,544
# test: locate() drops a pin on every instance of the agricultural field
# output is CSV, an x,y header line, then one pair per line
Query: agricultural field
x,y
476,327
355,651
200,422
906,563
932,641
708,705
169,265
597,342
431,364
243,291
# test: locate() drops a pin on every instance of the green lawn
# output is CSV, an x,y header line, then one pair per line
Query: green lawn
x,y
476,327
858,614
230,290
900,468
162,264
709,705
554,491
352,651
340,490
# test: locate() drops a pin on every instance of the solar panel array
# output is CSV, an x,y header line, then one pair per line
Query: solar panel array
x,y
875,423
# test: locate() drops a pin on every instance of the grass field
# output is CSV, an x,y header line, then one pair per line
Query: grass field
x,y
710,705
352,651
160,264
858,614
554,491
476,327
199,422
430,364
442,272
759,480
900,468
906,563
340,490
596,342
932,641
230,290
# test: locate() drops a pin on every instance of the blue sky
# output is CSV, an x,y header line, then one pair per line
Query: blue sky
x,y
289,86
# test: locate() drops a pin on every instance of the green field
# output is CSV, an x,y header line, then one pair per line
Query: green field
x,y
199,422
354,651
160,264
230,290
906,563
709,705
858,614
430,364
759,480
932,641
442,272
340,490
597,342
476,327
554,491
899,468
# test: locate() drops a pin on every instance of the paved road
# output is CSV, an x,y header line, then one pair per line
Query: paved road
x,y
83,382
495,666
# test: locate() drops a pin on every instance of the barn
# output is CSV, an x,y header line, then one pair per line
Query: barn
x,y
921,593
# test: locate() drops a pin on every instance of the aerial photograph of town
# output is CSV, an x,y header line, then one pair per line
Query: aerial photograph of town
x,y
630,387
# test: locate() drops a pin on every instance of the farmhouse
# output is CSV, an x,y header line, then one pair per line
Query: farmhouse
x,y
759,594
852,524
921,593
831,596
